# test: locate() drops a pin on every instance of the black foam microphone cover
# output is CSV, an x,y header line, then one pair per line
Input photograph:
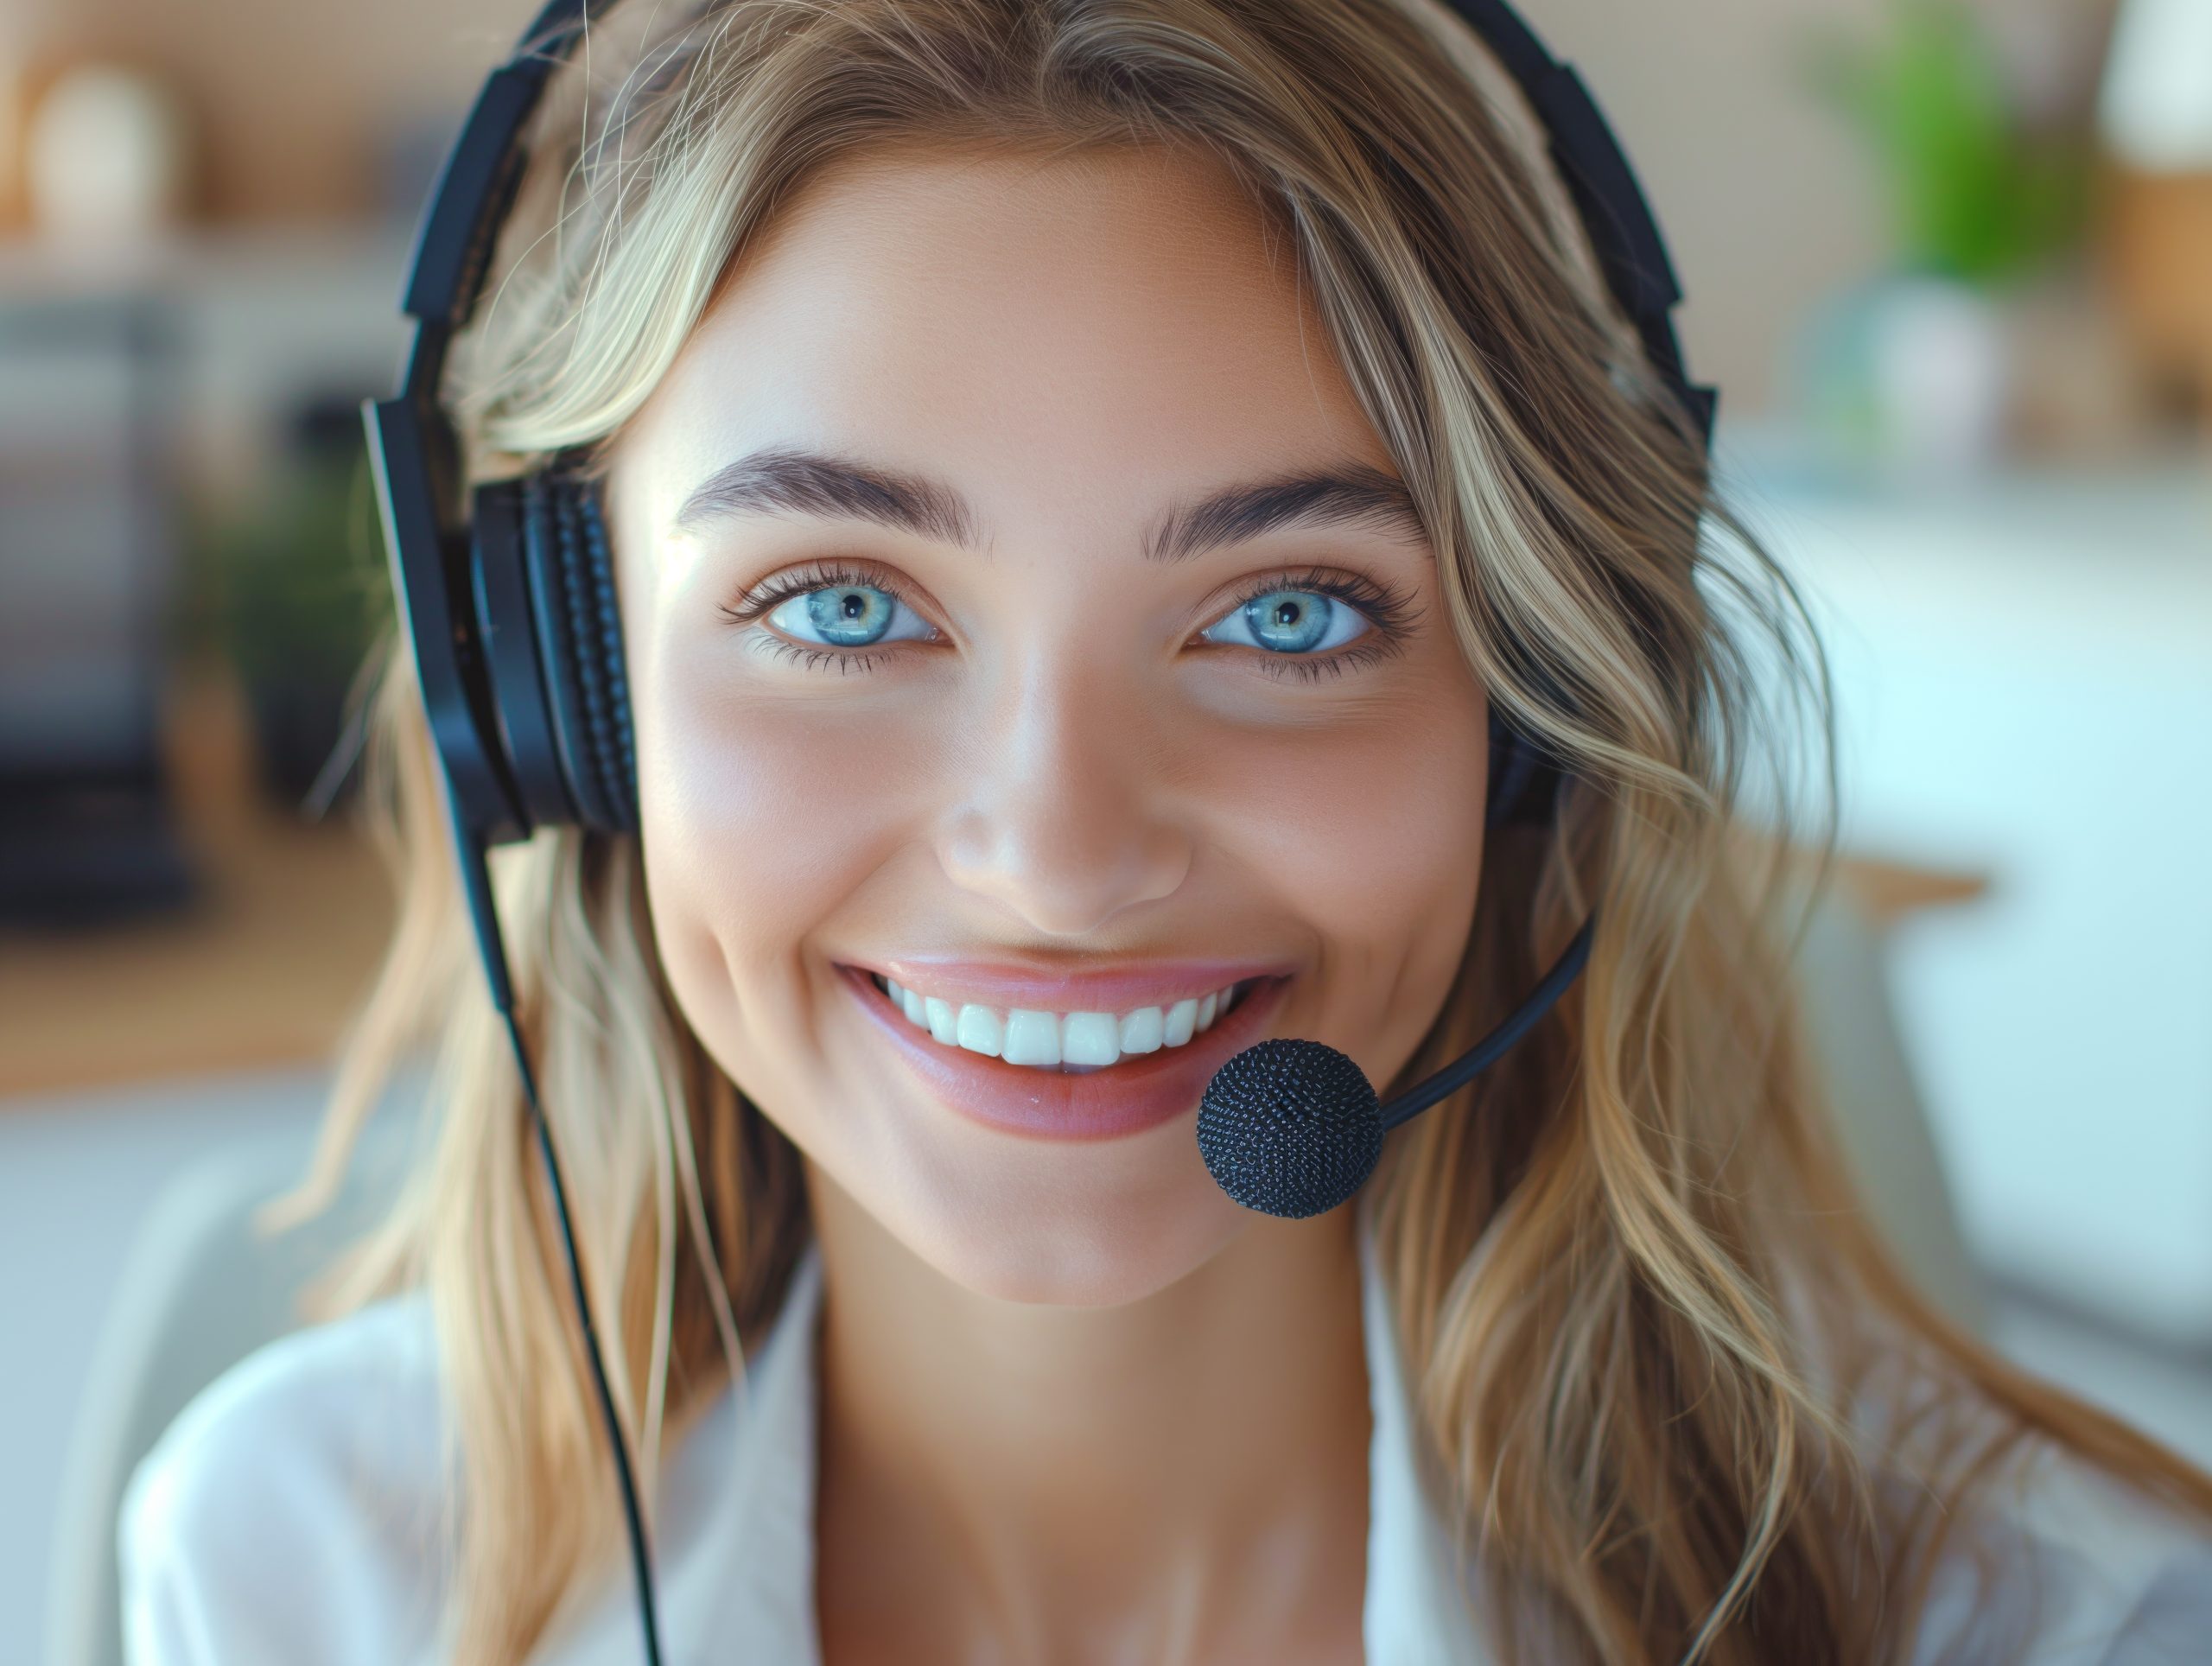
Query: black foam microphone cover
x,y
1290,1128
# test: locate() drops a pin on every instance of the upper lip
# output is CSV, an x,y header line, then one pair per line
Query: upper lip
x,y
1113,988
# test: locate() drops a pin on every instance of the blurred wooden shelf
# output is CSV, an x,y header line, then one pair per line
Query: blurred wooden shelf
x,y
1887,891
264,969
197,257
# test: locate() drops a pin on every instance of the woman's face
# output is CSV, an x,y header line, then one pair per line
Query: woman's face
x,y
1019,604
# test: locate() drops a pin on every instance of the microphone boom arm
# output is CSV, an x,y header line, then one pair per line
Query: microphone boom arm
x,y
1516,1024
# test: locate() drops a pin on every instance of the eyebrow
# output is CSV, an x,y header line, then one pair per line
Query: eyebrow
x,y
783,479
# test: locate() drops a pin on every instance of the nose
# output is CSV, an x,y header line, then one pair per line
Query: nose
x,y
1065,819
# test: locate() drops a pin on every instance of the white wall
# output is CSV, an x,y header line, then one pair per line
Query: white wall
x,y
2024,685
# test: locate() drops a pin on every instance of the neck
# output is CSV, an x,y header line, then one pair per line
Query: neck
x,y
1012,1475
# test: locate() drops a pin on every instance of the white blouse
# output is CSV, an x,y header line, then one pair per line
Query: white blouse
x,y
289,1517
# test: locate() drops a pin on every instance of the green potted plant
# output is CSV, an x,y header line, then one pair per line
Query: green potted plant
x,y
292,591
1913,365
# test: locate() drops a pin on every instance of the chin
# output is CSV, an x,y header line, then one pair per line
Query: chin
x,y
1096,1237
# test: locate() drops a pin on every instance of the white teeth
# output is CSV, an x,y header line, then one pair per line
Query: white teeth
x,y
1068,1041
1141,1030
980,1029
1032,1038
1090,1039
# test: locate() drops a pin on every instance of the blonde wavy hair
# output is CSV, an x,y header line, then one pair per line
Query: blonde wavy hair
x,y
1644,1315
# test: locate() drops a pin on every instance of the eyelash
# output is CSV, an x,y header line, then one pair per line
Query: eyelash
x,y
1390,612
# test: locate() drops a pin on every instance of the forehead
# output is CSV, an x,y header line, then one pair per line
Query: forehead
x,y
1116,325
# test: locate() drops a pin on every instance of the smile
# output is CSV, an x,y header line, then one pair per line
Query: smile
x,y
1069,1042
1157,1079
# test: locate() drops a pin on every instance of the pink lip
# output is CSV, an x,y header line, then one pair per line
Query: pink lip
x,y
1125,1098
1093,989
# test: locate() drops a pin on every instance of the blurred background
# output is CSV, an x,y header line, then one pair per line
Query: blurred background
x,y
1949,261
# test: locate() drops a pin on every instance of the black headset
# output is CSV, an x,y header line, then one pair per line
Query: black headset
x,y
509,591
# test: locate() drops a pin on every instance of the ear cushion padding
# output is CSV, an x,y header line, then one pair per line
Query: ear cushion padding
x,y
521,736
580,635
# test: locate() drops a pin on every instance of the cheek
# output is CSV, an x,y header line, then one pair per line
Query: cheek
x,y
1370,835
761,819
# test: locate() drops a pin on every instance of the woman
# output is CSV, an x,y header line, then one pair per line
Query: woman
x,y
993,790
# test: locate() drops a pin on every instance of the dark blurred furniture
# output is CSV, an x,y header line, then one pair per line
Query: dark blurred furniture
x,y
264,969
88,568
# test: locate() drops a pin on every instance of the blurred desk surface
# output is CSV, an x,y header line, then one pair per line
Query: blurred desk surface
x,y
265,968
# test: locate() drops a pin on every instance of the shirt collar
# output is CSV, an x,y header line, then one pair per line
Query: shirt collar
x,y
734,1556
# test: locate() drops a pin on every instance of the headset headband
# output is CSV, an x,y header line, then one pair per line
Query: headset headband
x,y
415,452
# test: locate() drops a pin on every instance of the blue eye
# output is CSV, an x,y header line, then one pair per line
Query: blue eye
x,y
846,616
1294,621
832,616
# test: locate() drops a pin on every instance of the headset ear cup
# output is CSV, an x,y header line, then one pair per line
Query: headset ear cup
x,y
522,720
580,639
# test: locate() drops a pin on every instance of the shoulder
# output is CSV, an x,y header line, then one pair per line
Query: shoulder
x,y
2063,1565
292,1512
